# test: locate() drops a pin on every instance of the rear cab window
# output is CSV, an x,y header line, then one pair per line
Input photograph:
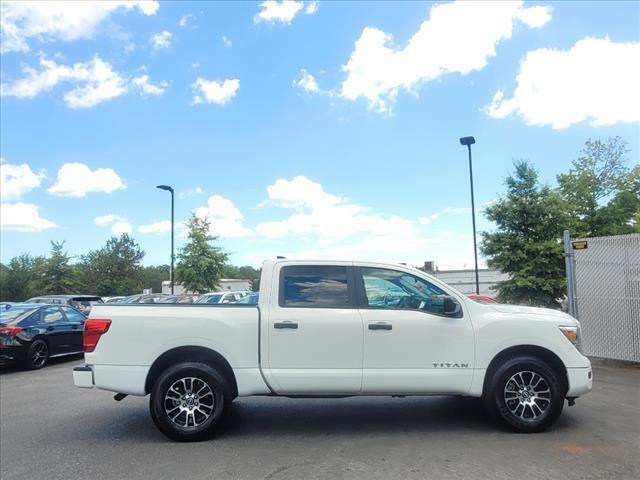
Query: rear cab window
x,y
316,286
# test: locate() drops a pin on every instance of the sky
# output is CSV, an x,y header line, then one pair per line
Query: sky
x,y
303,129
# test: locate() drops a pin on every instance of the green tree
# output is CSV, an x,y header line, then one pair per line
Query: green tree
x,y
200,264
56,276
526,243
601,193
153,276
115,269
246,272
19,279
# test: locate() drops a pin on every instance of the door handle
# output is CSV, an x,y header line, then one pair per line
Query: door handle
x,y
380,326
286,324
49,329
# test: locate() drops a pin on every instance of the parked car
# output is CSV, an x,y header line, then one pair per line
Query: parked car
x,y
32,333
487,299
116,299
177,299
84,303
144,298
250,299
219,297
326,329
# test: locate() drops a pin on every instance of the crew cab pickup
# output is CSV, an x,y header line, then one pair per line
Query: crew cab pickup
x,y
335,328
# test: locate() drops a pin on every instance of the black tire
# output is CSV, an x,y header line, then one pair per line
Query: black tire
x,y
518,408
182,414
37,355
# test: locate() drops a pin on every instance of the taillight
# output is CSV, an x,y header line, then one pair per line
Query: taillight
x,y
93,330
11,331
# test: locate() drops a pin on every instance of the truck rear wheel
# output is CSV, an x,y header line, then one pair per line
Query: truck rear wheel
x,y
525,394
189,400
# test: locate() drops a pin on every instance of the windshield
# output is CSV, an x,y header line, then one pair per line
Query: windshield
x,y
14,314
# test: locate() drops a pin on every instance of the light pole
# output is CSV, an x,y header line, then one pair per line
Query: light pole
x,y
170,189
468,141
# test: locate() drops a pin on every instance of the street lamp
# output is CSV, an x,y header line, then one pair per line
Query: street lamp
x,y
468,141
170,189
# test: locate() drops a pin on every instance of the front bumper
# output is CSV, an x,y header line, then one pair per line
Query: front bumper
x,y
580,381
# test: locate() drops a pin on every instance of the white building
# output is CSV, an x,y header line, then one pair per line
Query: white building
x,y
465,280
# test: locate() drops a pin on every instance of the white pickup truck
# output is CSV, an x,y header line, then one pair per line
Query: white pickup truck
x,y
327,329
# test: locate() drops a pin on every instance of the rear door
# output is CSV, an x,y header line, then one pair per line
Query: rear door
x,y
56,329
314,338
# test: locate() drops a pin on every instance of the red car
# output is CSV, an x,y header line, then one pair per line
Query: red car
x,y
482,298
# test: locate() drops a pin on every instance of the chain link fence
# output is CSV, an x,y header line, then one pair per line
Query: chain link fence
x,y
607,285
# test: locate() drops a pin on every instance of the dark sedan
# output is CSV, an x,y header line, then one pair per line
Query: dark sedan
x,y
33,333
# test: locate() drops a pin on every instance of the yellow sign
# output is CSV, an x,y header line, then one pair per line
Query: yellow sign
x,y
579,244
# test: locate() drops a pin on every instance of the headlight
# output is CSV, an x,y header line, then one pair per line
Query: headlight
x,y
572,334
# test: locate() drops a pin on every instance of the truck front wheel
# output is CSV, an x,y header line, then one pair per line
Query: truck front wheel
x,y
525,394
189,400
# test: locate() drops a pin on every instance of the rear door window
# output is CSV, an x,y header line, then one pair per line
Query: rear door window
x,y
52,316
317,286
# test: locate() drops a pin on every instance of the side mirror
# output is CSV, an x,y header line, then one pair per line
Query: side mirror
x,y
451,307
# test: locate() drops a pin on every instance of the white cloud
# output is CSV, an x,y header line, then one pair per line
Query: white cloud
x,y
428,218
77,179
45,21
96,79
326,225
120,227
119,224
457,210
146,87
96,82
156,227
311,8
273,11
226,220
184,20
226,41
306,82
458,37
161,40
190,192
328,216
105,220
16,180
23,217
596,80
211,91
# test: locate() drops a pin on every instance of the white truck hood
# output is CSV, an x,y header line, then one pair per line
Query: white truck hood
x,y
537,312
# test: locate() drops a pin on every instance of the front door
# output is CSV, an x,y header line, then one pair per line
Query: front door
x,y
76,321
315,332
417,337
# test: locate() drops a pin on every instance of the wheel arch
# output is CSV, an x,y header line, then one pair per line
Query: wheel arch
x,y
525,350
191,353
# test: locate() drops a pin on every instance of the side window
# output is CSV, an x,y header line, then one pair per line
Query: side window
x,y
51,316
319,286
73,316
392,289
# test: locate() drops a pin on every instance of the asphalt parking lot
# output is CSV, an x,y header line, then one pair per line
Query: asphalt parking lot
x,y
50,429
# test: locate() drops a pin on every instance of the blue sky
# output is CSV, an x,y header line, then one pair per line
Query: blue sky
x,y
302,129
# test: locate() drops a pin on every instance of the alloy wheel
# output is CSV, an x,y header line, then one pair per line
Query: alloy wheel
x,y
189,402
527,395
